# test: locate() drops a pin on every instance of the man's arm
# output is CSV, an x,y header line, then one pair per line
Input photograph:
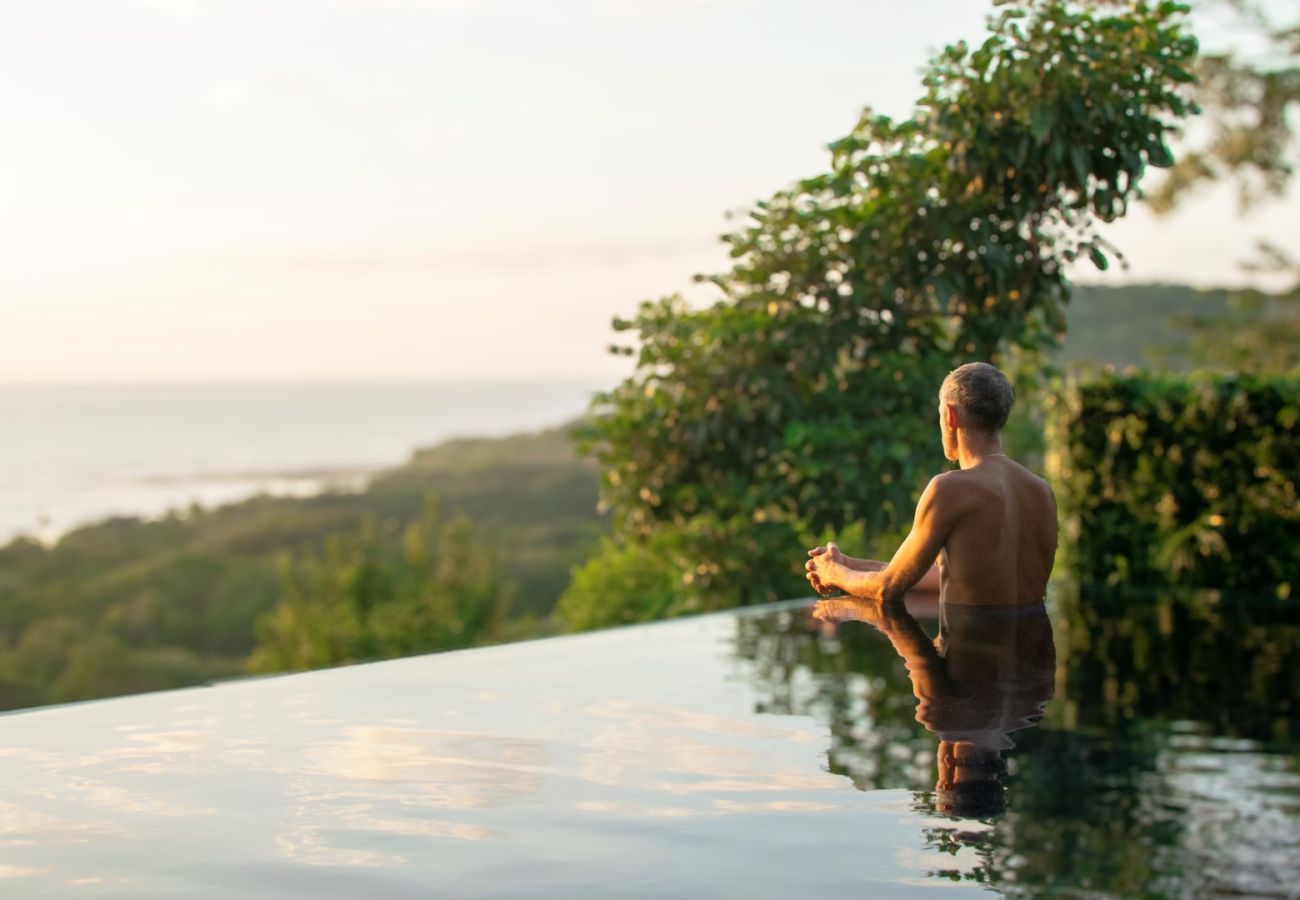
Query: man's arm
x,y
863,565
925,667
914,561
930,582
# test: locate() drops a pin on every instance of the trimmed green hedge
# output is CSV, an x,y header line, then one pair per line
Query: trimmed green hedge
x,y
1179,480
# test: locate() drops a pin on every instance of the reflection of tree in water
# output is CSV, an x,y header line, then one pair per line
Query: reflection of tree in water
x,y
1167,765
854,682
1170,763
1229,663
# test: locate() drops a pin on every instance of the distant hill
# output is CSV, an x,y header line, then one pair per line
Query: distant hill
x,y
530,496
1139,324
128,605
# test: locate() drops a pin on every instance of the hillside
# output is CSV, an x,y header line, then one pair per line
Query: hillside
x,y
1145,325
127,605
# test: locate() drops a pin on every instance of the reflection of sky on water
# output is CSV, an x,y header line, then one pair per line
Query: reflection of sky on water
x,y
632,757
707,757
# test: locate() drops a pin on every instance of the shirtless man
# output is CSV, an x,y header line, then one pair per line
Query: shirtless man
x,y
991,525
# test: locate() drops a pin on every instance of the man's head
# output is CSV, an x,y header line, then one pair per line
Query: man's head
x,y
968,784
976,397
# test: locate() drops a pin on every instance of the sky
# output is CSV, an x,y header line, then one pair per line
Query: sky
x,y
329,190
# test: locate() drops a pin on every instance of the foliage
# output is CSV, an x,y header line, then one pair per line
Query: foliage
x,y
1248,96
531,495
1189,481
804,399
363,599
626,582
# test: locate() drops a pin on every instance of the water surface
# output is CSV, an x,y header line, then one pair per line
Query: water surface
x,y
735,755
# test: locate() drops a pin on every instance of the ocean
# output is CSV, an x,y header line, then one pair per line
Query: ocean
x,y
76,454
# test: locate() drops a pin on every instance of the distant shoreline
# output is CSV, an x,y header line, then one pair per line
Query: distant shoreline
x,y
309,473
80,455
238,488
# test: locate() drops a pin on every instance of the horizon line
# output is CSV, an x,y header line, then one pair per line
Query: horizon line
x,y
360,381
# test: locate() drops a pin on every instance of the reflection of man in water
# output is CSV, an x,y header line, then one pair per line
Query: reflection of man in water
x,y
989,673
984,538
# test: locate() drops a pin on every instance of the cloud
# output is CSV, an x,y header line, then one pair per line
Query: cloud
x,y
644,9
499,258
620,9
438,769
229,94
180,9
7,871
679,752
388,779
435,6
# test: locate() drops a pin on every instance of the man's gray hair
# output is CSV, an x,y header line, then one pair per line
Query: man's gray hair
x,y
982,393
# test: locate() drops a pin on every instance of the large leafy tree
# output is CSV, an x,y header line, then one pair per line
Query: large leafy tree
x,y
1250,97
804,399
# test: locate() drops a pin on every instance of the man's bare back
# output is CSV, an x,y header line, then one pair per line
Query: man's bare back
x,y
1003,537
990,526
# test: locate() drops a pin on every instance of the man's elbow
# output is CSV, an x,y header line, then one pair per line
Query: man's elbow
x,y
893,588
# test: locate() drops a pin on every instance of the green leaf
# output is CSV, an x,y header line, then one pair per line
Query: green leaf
x,y
1021,153
1082,165
1098,259
1160,156
1041,122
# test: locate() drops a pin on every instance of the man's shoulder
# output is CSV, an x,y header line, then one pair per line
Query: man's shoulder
x,y
943,478
1031,487
966,482
950,488
954,479
1037,482
943,482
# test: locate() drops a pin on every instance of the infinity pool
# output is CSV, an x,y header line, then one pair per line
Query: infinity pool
x,y
755,754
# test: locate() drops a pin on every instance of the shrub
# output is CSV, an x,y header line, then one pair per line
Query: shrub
x,y
1180,480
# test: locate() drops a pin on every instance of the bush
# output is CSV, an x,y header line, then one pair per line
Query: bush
x,y
1180,481
364,598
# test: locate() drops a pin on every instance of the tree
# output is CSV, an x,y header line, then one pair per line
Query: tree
x,y
1249,103
364,599
804,399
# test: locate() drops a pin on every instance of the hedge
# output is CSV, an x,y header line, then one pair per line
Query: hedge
x,y
1181,481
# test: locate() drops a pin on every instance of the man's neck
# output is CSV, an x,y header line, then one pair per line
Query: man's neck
x,y
972,449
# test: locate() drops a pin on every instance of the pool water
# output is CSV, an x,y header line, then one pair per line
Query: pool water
x,y
1140,746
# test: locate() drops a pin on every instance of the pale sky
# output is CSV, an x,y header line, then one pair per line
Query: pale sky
x,y
307,190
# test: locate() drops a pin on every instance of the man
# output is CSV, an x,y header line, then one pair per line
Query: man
x,y
991,525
